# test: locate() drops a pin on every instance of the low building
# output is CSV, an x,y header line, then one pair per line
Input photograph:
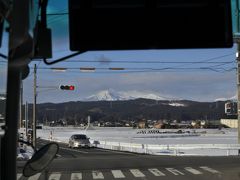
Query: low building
x,y
196,124
232,123
159,125
141,124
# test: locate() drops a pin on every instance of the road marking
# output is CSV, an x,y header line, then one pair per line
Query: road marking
x,y
54,176
115,151
209,169
118,174
18,176
156,172
76,176
175,171
35,177
97,175
193,171
137,173
73,150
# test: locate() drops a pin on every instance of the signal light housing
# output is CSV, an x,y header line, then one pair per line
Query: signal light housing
x,y
67,87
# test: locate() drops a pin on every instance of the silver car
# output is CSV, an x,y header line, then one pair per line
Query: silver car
x,y
79,140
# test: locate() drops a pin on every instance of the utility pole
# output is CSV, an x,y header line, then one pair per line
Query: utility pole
x,y
26,120
34,107
237,40
238,89
20,106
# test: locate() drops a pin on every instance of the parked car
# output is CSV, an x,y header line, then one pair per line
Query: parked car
x,y
78,141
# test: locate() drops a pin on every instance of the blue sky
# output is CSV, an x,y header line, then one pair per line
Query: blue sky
x,y
196,74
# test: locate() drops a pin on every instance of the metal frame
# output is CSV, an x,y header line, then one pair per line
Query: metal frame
x,y
19,53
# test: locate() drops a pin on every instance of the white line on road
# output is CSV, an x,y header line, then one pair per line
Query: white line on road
x,y
137,173
35,177
97,175
18,176
76,176
118,174
209,169
73,150
115,151
175,171
193,171
54,176
156,172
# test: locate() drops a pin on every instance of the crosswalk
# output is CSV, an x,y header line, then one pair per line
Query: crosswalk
x,y
123,174
117,174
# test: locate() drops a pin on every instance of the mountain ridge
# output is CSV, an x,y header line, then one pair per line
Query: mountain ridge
x,y
112,95
134,110
120,110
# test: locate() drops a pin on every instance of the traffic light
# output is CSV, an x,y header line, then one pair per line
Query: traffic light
x,y
67,87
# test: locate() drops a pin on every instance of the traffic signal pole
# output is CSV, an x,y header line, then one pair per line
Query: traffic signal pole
x,y
238,89
20,106
9,142
237,40
19,53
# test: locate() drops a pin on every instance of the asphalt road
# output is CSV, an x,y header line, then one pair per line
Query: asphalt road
x,y
94,163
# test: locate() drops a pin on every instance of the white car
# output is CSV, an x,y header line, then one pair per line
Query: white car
x,y
79,140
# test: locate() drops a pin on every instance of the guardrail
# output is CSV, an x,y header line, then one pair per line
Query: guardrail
x,y
167,149
175,148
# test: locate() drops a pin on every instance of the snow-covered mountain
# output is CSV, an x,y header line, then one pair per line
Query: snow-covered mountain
x,y
111,95
234,98
106,95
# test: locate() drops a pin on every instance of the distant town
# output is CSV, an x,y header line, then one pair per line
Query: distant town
x,y
137,113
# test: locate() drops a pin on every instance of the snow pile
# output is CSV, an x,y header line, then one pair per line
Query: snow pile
x,y
233,98
124,134
165,137
2,98
24,153
177,104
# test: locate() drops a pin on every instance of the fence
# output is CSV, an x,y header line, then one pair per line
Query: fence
x,y
175,148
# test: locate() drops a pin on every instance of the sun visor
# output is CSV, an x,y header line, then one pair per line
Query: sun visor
x,y
149,24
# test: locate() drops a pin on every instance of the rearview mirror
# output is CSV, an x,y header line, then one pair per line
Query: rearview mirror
x,y
41,159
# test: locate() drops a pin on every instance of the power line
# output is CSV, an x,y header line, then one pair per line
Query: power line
x,y
218,57
222,64
3,62
137,70
206,61
132,68
55,17
33,68
132,72
55,20
149,62
57,14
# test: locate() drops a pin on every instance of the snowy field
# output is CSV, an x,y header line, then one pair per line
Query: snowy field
x,y
150,137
